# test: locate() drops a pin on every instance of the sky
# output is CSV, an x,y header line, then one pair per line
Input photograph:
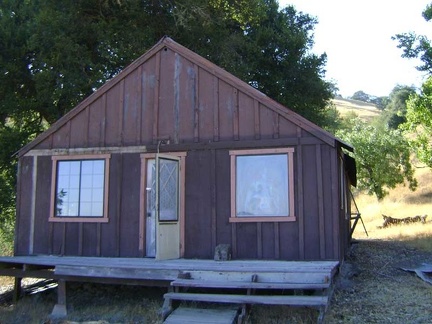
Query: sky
x,y
356,35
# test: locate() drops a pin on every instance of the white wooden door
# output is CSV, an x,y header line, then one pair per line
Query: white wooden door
x,y
167,207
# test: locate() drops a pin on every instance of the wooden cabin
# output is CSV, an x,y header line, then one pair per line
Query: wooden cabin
x,y
175,156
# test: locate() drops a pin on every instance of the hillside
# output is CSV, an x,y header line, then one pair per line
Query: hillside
x,y
362,109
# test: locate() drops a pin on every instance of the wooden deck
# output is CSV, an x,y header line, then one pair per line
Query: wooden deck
x,y
245,276
168,270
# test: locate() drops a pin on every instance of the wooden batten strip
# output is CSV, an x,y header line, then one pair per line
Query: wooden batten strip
x,y
236,114
300,199
33,205
51,238
321,218
337,239
277,240
87,118
259,241
122,113
69,127
196,104
63,245
98,239
177,71
139,94
103,128
257,119
119,204
213,199
234,240
156,99
80,239
275,125
18,204
215,109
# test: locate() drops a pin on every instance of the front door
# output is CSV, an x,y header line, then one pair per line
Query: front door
x,y
163,207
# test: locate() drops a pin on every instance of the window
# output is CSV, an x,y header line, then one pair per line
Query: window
x,y
262,185
80,188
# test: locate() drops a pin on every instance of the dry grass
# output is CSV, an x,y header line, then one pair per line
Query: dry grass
x,y
363,110
400,203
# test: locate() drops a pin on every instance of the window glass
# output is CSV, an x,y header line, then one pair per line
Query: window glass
x,y
80,188
262,185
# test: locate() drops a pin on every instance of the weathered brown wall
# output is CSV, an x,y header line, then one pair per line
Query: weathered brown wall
x,y
170,96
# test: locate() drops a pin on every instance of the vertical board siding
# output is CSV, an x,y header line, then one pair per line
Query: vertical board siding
x,y
72,238
96,123
113,113
226,111
206,105
223,197
57,238
246,241
287,129
246,117
60,138
198,211
129,213
266,122
149,83
289,241
300,199
22,230
131,108
186,84
213,177
156,96
89,239
329,199
43,199
167,95
311,209
78,130
268,241
110,230
320,194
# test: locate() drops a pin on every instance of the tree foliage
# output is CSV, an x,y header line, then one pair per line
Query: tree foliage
x,y
419,123
417,46
382,156
395,111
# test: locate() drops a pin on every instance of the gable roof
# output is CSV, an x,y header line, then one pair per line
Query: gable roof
x,y
205,64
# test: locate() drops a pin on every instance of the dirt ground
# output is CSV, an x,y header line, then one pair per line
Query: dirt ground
x,y
371,289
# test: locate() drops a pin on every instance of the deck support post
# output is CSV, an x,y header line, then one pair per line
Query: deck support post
x,y
17,290
59,310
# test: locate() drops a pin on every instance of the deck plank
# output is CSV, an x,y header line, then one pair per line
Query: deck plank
x,y
250,299
183,315
246,285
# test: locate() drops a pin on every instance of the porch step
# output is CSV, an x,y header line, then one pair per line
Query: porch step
x,y
184,315
315,301
247,284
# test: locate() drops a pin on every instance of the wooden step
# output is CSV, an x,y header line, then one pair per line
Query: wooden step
x,y
250,299
183,315
264,276
246,284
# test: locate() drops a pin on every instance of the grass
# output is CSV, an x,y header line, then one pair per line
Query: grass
x,y
363,110
400,203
